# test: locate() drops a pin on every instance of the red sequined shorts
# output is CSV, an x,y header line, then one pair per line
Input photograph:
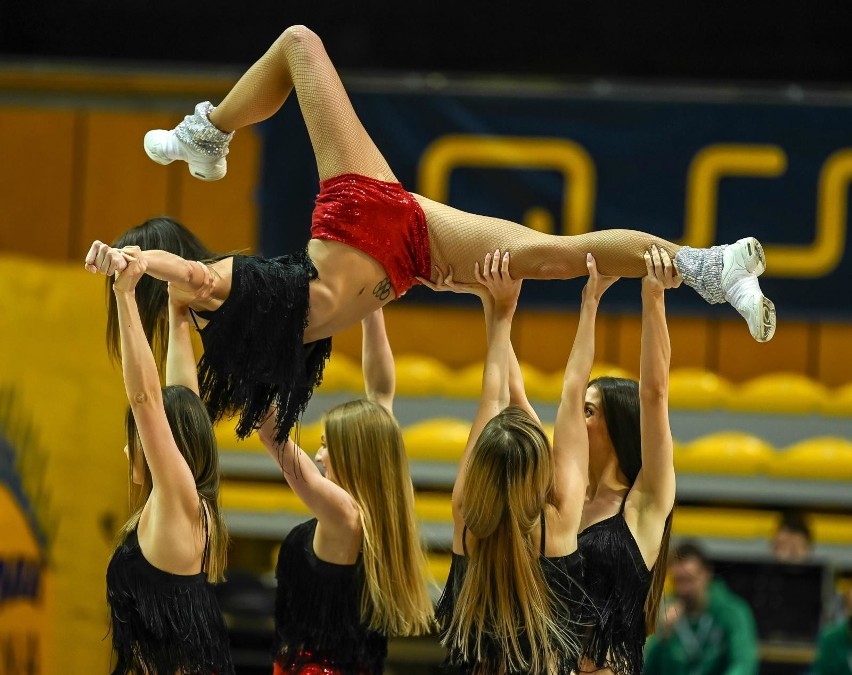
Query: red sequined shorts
x,y
310,664
378,218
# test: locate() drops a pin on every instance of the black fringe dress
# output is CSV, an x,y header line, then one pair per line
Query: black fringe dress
x,y
617,582
318,613
254,355
562,576
162,622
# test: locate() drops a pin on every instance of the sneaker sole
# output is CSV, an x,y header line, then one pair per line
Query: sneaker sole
x,y
766,329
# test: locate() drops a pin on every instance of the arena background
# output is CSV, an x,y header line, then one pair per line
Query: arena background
x,y
701,123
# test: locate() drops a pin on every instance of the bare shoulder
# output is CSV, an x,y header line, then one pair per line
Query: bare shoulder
x,y
339,541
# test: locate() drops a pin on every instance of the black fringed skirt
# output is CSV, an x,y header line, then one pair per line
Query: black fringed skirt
x,y
254,355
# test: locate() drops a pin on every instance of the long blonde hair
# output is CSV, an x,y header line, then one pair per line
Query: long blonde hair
x,y
503,597
193,433
367,453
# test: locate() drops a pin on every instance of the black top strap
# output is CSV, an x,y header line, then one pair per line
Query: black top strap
x,y
623,502
206,537
543,531
192,314
464,541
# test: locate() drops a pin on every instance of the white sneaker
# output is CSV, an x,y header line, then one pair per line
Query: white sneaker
x,y
164,147
743,262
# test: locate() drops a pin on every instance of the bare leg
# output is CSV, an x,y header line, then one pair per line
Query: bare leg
x,y
459,239
298,59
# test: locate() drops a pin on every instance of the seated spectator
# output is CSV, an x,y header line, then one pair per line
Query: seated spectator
x,y
706,629
834,652
793,542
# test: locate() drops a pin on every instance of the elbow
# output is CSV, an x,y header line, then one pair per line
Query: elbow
x,y
143,397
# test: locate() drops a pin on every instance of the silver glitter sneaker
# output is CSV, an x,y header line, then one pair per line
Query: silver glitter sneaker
x,y
729,273
743,262
196,141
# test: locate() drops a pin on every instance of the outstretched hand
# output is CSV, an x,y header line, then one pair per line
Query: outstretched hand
x,y
445,282
496,278
104,259
662,273
597,283
135,267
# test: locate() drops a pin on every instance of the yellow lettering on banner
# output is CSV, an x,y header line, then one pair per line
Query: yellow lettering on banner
x,y
555,154
715,162
824,254
708,167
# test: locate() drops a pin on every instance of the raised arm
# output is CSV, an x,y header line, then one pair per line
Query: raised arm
x,y
570,438
377,360
330,503
656,479
445,282
503,300
180,358
172,478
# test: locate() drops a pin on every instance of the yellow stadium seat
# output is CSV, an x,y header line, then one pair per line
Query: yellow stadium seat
x,y
690,521
694,389
465,383
728,452
226,438
439,567
435,507
441,439
839,402
825,457
609,370
421,376
308,436
341,374
779,393
831,529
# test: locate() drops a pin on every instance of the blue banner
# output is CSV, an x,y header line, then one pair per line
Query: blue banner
x,y
697,172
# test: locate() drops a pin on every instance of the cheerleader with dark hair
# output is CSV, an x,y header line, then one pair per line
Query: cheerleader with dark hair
x,y
164,615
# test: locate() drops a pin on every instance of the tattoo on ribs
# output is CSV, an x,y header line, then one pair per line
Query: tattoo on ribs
x,y
382,289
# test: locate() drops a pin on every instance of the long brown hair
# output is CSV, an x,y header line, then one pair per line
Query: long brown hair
x,y
152,295
193,433
367,453
503,595
620,409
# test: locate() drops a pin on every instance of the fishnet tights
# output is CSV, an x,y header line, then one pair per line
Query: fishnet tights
x,y
298,59
460,239
342,145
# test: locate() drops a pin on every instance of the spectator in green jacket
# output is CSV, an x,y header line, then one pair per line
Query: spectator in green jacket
x,y
834,653
707,629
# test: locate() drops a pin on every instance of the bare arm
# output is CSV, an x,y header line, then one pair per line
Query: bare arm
x,y
330,503
173,482
495,376
180,357
191,277
377,360
445,282
656,479
571,440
